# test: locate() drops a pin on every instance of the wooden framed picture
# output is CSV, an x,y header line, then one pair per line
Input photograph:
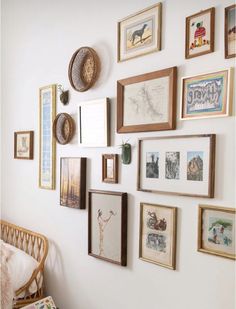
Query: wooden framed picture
x,y
73,183
216,231
93,119
110,168
47,143
207,95
230,31
147,102
108,226
200,29
140,33
24,145
181,165
157,238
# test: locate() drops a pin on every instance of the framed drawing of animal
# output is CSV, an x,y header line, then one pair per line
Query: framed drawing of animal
x,y
140,33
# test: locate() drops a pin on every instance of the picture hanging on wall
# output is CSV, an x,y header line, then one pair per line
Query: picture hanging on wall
x,y
230,31
24,145
140,33
110,168
200,33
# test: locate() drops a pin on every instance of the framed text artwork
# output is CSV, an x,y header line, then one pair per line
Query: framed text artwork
x,y
47,143
230,31
147,102
181,165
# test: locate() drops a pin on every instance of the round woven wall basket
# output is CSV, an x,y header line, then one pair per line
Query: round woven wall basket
x,y
84,69
63,128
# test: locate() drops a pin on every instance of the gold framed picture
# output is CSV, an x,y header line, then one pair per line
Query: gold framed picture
x,y
24,145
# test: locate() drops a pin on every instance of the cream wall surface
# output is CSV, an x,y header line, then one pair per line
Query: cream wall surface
x,y
38,39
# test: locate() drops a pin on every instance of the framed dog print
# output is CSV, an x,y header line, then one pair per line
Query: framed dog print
x,y
110,168
230,31
24,145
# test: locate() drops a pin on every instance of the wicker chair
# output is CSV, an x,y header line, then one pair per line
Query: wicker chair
x,y
33,244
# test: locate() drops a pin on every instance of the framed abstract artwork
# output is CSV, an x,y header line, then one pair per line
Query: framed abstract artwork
x,y
207,95
73,183
147,102
107,224
216,231
200,33
140,33
24,145
230,31
110,168
157,237
47,143
181,165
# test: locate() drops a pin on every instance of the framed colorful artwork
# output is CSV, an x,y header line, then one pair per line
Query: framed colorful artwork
x,y
157,237
110,168
216,231
147,102
181,165
24,145
108,226
207,95
230,31
45,303
200,33
73,183
140,33
47,143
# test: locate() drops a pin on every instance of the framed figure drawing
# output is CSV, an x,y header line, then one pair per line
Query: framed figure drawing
x,y
140,33
216,231
230,31
200,33
108,226
110,168
24,145
147,102
157,238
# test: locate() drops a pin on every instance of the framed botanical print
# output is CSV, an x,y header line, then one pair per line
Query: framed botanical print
x,y
200,33
147,102
110,168
157,238
140,33
216,231
230,31
24,145
108,226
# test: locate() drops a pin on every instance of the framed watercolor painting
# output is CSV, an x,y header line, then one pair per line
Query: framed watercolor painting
x,y
181,165
108,226
24,145
200,33
110,168
47,143
140,33
147,102
216,231
157,237
73,183
207,95
230,31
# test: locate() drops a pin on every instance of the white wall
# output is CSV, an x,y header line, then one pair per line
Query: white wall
x,y
38,39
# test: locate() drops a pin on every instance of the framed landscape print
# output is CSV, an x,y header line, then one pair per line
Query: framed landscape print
x,y
216,231
200,33
181,165
24,145
207,95
47,143
108,226
157,238
147,102
230,31
140,33
73,183
110,168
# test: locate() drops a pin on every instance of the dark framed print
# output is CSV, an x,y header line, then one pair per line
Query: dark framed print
x,y
110,168
230,31
24,145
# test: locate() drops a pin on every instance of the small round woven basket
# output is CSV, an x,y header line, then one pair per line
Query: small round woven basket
x,y
63,128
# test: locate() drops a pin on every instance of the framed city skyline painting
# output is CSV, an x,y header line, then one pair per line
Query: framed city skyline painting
x,y
24,145
230,31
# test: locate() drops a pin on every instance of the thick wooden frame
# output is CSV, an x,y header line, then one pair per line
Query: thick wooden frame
x,y
174,227
114,158
170,124
212,33
123,245
31,145
200,232
227,56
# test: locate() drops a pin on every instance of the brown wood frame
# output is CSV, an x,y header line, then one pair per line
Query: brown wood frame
x,y
31,145
200,214
212,33
170,124
124,214
211,179
58,132
227,56
114,158
82,176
